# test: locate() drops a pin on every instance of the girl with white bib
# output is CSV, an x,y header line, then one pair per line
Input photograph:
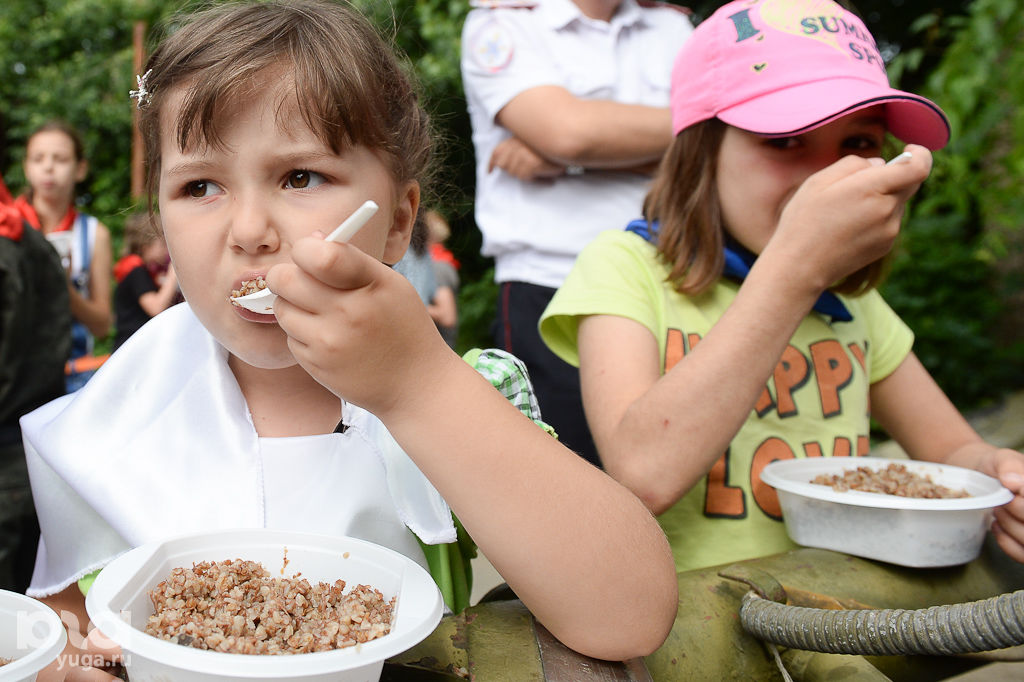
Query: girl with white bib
x,y
342,410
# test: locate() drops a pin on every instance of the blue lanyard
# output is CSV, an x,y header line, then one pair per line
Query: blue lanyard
x,y
738,262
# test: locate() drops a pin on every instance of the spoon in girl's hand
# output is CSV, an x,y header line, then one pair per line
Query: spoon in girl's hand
x,y
262,301
901,158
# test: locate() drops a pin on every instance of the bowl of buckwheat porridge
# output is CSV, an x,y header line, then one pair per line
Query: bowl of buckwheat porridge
x,y
262,604
31,636
905,512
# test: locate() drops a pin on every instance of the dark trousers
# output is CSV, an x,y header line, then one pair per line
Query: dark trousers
x,y
555,382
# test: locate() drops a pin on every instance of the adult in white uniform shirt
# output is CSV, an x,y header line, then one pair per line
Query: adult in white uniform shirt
x,y
568,100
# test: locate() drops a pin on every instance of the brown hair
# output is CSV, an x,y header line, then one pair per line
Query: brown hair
x,y
61,126
349,85
140,229
691,235
438,230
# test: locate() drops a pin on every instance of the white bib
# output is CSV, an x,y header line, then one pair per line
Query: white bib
x,y
160,442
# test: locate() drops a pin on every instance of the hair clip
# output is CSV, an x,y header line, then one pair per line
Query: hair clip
x,y
142,95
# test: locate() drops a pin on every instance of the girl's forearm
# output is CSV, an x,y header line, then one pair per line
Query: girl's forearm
x,y
544,517
670,437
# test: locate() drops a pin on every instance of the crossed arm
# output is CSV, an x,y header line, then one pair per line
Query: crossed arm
x,y
552,129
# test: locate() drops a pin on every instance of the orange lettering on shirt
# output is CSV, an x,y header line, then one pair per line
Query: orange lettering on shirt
x,y
674,350
863,446
764,403
790,374
765,497
834,370
722,499
840,447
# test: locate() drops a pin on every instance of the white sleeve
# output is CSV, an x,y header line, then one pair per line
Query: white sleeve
x,y
503,54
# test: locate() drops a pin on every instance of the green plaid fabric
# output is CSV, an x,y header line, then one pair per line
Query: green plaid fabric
x,y
508,374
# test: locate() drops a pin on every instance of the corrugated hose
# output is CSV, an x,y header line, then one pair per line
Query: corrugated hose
x,y
993,623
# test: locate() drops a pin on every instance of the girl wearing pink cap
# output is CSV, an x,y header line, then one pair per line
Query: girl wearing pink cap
x,y
738,323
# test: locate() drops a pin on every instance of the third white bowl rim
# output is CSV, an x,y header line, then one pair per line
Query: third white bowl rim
x,y
794,475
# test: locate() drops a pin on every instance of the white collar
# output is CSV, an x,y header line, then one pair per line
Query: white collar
x,y
558,14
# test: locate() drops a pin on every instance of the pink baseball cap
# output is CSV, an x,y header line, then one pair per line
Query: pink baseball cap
x,y
783,67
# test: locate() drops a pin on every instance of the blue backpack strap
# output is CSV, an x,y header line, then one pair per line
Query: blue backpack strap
x,y
85,234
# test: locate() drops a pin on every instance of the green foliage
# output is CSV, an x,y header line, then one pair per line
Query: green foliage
x,y
71,60
951,279
478,300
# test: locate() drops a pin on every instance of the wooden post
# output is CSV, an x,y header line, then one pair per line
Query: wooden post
x,y
138,167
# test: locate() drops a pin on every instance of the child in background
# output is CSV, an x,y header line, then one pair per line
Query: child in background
x,y
54,164
416,266
746,327
146,285
443,307
342,412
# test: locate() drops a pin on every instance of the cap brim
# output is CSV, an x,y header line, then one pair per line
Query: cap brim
x,y
804,107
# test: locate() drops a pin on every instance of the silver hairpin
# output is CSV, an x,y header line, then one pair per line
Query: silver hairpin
x,y
141,96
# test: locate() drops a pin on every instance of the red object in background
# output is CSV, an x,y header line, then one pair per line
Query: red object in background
x,y
439,253
126,265
11,224
30,216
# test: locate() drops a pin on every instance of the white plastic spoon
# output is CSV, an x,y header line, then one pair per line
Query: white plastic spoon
x,y
902,158
262,301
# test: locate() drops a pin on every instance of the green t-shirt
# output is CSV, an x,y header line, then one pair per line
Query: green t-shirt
x,y
816,403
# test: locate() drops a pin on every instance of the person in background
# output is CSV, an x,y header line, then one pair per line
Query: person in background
x,y
146,285
568,101
443,307
739,322
35,341
415,264
54,164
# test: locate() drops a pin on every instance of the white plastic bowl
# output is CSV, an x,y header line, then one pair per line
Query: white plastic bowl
x,y
30,633
118,603
900,530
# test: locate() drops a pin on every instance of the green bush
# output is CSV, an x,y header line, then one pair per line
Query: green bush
x,y
952,279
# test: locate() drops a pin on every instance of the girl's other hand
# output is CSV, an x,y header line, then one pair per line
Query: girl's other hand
x,y
357,326
847,215
1008,467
